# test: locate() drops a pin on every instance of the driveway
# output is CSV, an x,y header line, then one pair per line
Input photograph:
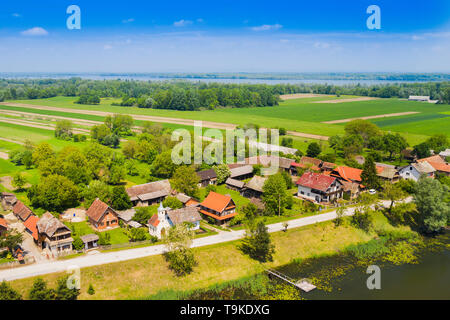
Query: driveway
x,y
117,256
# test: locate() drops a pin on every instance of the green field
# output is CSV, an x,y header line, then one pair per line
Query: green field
x,y
301,115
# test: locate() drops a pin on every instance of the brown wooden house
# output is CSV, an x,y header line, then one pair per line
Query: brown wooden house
x,y
53,234
219,207
101,216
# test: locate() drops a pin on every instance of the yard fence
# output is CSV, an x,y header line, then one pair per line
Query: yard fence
x,y
125,245
15,263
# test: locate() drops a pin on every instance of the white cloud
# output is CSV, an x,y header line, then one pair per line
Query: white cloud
x,y
107,47
128,20
267,27
36,31
16,15
182,23
321,45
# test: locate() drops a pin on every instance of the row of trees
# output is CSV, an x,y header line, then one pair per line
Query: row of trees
x,y
41,291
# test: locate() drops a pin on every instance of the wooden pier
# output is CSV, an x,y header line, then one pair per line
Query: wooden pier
x,y
303,284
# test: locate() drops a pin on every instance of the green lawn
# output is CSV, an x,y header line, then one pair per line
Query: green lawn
x,y
118,235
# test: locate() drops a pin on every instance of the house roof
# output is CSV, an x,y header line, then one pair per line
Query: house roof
x,y
48,224
348,173
134,224
9,197
309,160
31,225
256,183
216,201
442,167
22,210
98,209
126,215
188,214
305,166
235,183
386,172
445,153
328,165
192,203
148,190
207,174
435,158
154,221
3,223
265,160
89,238
241,171
316,181
183,198
423,167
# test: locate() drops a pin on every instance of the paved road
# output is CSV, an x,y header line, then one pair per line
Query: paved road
x,y
110,257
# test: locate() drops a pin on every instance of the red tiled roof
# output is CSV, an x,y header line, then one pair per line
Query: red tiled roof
x,y
97,210
216,201
31,224
436,158
309,160
438,166
154,221
215,216
316,181
305,166
3,223
349,173
22,210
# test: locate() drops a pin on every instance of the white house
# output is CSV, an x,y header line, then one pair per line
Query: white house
x,y
415,170
319,187
166,218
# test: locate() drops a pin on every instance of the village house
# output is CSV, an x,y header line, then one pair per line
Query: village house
x,y
186,200
3,226
319,187
8,200
267,161
241,172
387,172
328,167
438,163
101,216
53,234
347,173
254,188
31,227
414,171
90,241
21,211
127,217
166,218
219,207
444,154
234,184
206,177
351,189
149,193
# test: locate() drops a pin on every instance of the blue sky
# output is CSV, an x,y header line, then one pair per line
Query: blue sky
x,y
225,36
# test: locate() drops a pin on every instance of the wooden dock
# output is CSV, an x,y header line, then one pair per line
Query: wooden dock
x,y
303,284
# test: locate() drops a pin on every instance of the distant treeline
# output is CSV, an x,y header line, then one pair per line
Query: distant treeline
x,y
187,95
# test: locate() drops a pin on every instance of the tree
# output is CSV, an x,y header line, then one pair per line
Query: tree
x,y
78,243
422,150
438,142
142,215
8,293
369,176
64,292
73,164
138,234
335,143
394,143
39,291
222,172
42,152
429,197
257,243
54,193
130,149
18,181
120,199
172,203
179,253
119,124
313,150
340,214
186,180
63,129
91,290
352,144
163,166
393,193
96,189
363,128
11,240
275,194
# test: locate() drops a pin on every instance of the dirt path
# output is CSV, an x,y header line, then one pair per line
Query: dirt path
x,y
4,155
188,122
12,141
32,124
302,95
372,117
346,100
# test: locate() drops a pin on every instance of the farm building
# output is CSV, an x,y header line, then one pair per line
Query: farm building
x,y
90,241
254,188
149,193
8,200
319,187
21,211
387,172
206,177
219,207
101,216
53,234
127,217
234,184
241,172
186,200
439,164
